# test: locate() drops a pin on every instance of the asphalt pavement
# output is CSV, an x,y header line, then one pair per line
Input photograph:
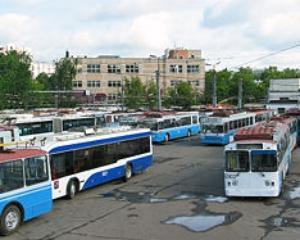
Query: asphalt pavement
x,y
180,197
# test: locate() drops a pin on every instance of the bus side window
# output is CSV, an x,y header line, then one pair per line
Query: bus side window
x,y
195,120
225,127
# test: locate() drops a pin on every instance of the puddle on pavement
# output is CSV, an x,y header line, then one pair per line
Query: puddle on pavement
x,y
133,197
204,222
149,197
295,193
214,198
158,200
277,221
186,196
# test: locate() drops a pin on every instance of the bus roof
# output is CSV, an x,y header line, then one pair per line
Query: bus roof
x,y
261,131
10,155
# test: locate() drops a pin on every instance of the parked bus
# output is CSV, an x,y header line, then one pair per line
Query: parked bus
x,y
25,187
220,127
257,162
291,122
169,126
80,162
295,113
68,162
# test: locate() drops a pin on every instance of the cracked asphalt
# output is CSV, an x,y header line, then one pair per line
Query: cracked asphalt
x,y
186,181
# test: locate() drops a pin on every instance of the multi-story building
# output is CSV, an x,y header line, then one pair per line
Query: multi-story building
x,y
104,76
284,94
42,67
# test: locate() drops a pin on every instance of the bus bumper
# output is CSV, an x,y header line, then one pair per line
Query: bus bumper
x,y
252,193
211,140
158,138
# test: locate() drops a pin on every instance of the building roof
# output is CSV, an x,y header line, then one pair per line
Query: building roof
x,y
15,154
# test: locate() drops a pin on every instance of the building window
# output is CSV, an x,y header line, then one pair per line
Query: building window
x,y
112,97
77,84
79,70
93,84
194,83
174,82
175,68
132,68
114,83
192,68
93,68
113,68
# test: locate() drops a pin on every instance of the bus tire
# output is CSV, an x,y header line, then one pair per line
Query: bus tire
x,y
71,189
128,172
282,185
189,133
10,220
167,138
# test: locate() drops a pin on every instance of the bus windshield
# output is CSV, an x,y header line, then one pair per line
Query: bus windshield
x,y
264,162
213,129
237,161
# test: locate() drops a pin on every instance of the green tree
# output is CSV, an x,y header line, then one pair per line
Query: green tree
x,y
151,95
65,72
15,79
43,82
61,80
134,93
182,95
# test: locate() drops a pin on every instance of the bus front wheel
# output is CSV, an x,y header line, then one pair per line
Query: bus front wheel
x,y
167,138
189,133
71,189
10,220
128,172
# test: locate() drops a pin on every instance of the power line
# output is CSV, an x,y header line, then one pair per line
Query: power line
x,y
268,55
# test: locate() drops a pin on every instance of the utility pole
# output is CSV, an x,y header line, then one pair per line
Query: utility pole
x,y
157,77
214,95
240,94
122,89
158,86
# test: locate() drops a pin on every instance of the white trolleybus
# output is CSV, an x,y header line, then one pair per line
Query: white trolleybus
x,y
258,160
65,163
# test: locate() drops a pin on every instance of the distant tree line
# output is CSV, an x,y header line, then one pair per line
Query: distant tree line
x,y
255,84
19,90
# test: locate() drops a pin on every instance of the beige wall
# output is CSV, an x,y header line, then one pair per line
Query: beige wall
x,y
147,68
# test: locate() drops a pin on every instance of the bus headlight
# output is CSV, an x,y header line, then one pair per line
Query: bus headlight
x,y
234,183
267,183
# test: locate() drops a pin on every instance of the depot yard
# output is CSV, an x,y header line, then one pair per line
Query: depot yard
x,y
180,197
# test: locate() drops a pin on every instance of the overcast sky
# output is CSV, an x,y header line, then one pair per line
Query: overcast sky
x,y
235,31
